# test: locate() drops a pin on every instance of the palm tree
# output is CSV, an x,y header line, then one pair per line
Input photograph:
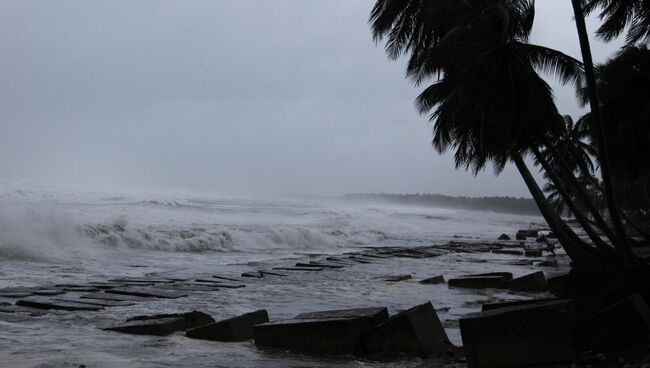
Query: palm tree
x,y
617,15
624,84
488,101
620,241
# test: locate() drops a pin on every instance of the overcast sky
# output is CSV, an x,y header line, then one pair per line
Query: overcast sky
x,y
236,97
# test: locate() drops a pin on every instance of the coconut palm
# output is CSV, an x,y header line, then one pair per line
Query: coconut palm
x,y
624,85
620,241
488,102
617,15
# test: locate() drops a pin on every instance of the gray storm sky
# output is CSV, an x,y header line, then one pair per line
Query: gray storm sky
x,y
225,96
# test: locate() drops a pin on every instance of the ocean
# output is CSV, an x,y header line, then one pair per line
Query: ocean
x,y
50,237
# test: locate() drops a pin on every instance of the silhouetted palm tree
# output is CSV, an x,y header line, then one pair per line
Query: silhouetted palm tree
x,y
624,86
620,241
489,103
617,15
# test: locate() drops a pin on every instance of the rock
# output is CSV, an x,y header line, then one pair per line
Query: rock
x,y
148,292
328,332
42,303
521,235
163,324
537,334
238,328
622,325
533,253
534,282
433,280
516,303
504,237
397,278
416,331
541,239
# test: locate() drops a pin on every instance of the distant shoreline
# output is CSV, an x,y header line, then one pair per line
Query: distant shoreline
x,y
512,205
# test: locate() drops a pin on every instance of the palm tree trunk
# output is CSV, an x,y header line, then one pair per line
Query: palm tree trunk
x,y
571,243
621,244
561,187
584,197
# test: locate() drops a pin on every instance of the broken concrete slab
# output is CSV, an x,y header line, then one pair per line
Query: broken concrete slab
x,y
534,282
11,308
511,252
625,324
162,324
536,334
533,253
155,327
14,294
188,287
238,328
105,285
515,303
226,278
44,303
557,283
144,280
415,331
307,269
218,284
255,274
397,278
485,282
548,263
117,297
376,314
338,333
433,280
80,289
321,264
272,273
48,292
99,302
148,292
490,280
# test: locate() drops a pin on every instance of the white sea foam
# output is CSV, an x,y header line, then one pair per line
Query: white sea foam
x,y
44,223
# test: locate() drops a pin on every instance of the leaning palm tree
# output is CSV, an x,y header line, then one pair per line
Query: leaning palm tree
x,y
624,85
620,241
488,102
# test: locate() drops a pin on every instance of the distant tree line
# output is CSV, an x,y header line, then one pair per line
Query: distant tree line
x,y
522,206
